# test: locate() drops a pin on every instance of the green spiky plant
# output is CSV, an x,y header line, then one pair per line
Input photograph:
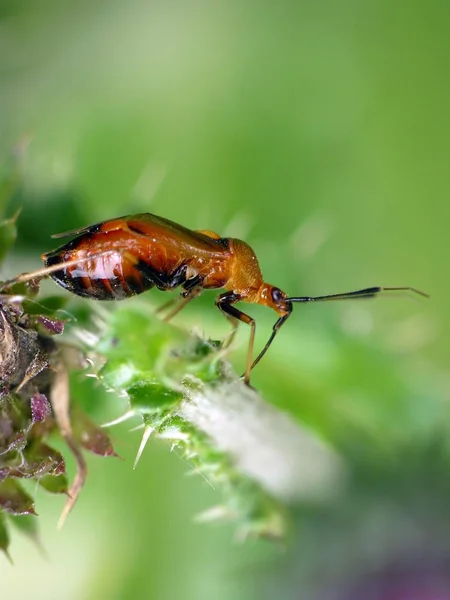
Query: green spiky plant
x,y
380,478
176,382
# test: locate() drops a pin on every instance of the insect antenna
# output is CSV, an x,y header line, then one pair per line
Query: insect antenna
x,y
365,293
371,292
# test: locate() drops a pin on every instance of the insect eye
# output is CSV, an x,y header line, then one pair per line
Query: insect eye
x,y
277,295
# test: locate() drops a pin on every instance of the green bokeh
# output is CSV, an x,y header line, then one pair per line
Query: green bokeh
x,y
316,131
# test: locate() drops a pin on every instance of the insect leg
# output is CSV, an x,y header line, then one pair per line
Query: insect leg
x,y
275,330
191,289
167,305
224,303
234,324
182,301
234,321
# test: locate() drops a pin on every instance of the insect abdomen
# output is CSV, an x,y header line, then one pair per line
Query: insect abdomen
x,y
102,278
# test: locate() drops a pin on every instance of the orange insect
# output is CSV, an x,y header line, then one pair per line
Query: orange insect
x,y
119,258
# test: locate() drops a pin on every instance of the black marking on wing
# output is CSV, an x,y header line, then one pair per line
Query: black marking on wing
x,y
135,229
224,242
89,229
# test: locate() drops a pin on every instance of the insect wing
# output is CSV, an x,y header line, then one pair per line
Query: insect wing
x,y
88,229
174,235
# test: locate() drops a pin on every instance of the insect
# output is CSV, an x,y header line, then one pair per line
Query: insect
x,y
119,258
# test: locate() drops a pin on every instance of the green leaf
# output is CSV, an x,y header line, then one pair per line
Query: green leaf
x,y
152,396
45,306
4,536
89,435
41,459
54,484
29,526
14,499
140,346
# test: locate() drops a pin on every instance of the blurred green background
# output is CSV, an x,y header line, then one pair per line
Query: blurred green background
x,y
319,133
